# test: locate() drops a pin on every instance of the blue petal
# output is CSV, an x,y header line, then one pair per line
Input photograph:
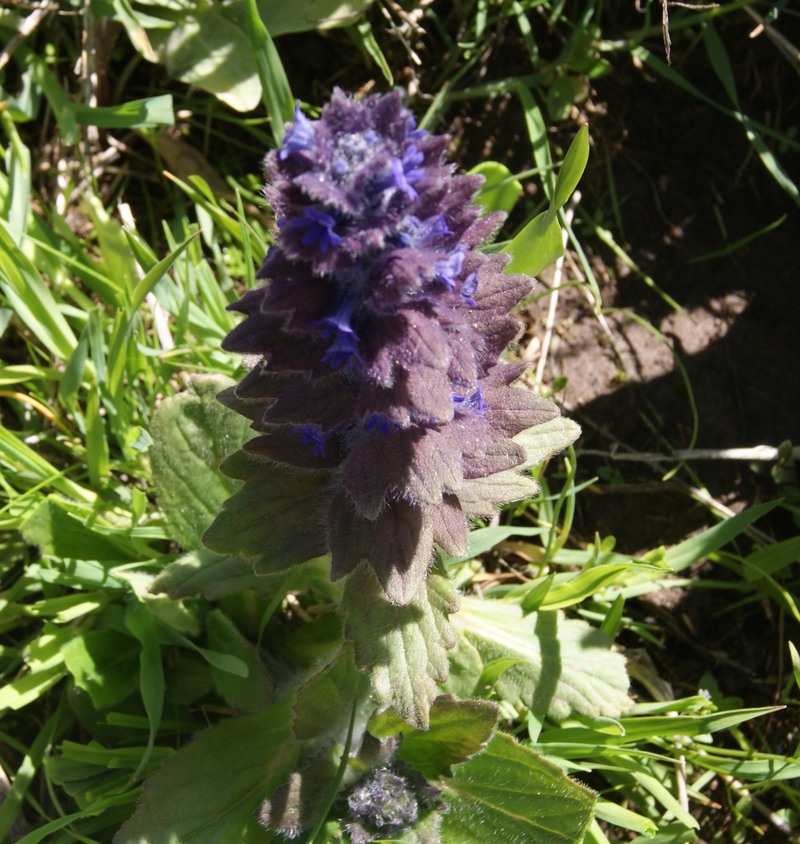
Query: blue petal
x,y
300,137
474,403
447,269
317,228
345,341
468,288
312,434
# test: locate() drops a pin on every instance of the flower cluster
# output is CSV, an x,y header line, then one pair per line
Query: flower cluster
x,y
378,333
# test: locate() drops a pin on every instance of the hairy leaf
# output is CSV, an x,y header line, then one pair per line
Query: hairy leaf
x,y
268,519
509,793
543,441
325,701
296,806
207,792
560,664
192,434
204,572
403,647
247,694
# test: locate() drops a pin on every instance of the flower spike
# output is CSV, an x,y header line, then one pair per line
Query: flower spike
x,y
378,329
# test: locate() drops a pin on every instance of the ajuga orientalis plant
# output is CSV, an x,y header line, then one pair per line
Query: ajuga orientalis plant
x,y
382,406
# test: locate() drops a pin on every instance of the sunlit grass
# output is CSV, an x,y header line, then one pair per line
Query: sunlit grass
x,y
102,680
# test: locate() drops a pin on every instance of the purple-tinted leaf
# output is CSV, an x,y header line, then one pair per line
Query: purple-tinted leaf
x,y
428,393
324,401
270,520
397,545
479,497
512,410
500,454
420,463
450,526
254,335
288,444
380,324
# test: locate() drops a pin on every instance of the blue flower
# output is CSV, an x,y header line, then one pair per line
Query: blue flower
x,y
316,226
344,348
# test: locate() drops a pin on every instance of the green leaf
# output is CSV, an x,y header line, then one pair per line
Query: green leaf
x,y
208,791
466,667
90,771
403,647
364,37
482,540
204,572
57,96
537,246
14,795
619,816
205,49
563,664
44,667
546,440
583,585
688,552
572,169
537,132
535,597
509,793
720,61
458,729
251,692
302,802
29,465
281,18
142,624
795,657
192,433
566,90
637,728
275,88
17,160
60,534
771,559
135,114
500,190
104,663
325,701
32,300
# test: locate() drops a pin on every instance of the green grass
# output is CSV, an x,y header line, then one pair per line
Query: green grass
x,y
114,282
